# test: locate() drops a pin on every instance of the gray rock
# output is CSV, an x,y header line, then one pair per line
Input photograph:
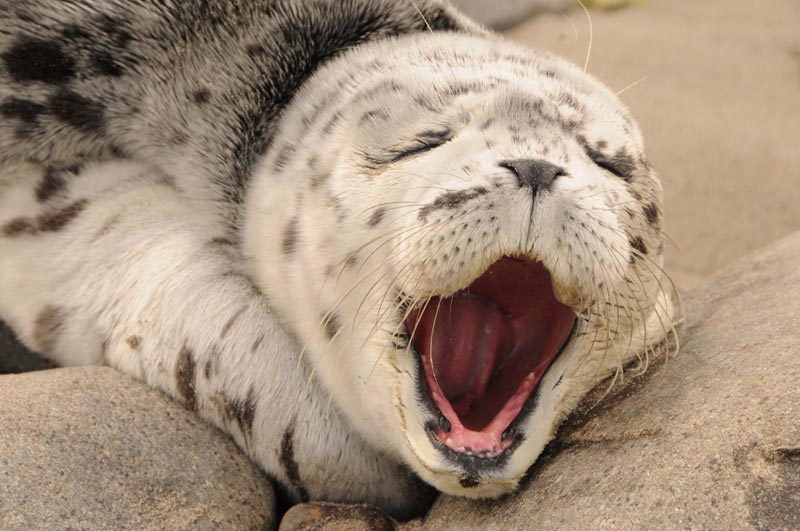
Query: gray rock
x,y
325,516
708,439
91,449
504,13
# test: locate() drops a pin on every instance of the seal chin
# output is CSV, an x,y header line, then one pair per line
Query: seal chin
x,y
482,352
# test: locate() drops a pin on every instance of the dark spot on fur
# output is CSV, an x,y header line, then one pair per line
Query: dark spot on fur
x,y
25,110
19,226
49,221
55,220
227,326
47,327
332,324
77,111
115,28
451,200
41,60
331,123
469,481
73,32
54,181
185,376
376,217
106,65
289,464
243,412
179,137
254,50
257,343
486,125
107,226
290,237
651,214
423,102
283,156
319,179
201,96
166,180
638,245
134,342
351,261
572,102
118,151
222,241
212,362
372,115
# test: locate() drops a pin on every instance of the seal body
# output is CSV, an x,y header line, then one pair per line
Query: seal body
x,y
266,209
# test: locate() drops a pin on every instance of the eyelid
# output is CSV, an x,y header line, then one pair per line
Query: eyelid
x,y
608,166
424,141
608,163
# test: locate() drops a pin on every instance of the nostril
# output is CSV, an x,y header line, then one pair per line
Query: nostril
x,y
536,174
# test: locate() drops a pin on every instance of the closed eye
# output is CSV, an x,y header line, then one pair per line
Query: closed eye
x,y
609,166
618,164
422,142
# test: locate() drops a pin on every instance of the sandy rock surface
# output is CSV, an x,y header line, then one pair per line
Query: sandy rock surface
x,y
319,516
91,449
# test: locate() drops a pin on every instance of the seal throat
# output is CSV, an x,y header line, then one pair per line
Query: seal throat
x,y
484,350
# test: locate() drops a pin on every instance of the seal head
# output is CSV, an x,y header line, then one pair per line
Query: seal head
x,y
464,234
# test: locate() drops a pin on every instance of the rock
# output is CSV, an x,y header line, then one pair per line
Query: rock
x,y
505,13
324,516
708,439
92,449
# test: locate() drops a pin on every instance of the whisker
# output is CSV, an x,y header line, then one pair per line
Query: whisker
x,y
628,87
591,35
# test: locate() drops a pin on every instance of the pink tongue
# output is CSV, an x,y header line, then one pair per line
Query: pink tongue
x,y
464,344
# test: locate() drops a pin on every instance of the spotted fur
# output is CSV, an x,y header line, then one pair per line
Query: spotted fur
x,y
239,202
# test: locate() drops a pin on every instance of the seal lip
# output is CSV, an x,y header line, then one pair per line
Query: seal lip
x,y
536,330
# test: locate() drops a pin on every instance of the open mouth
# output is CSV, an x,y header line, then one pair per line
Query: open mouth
x,y
484,350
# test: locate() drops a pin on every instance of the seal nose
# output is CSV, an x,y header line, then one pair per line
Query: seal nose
x,y
536,174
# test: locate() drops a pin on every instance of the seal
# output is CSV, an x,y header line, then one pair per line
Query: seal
x,y
368,239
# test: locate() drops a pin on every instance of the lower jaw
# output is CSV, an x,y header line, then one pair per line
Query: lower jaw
x,y
456,476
